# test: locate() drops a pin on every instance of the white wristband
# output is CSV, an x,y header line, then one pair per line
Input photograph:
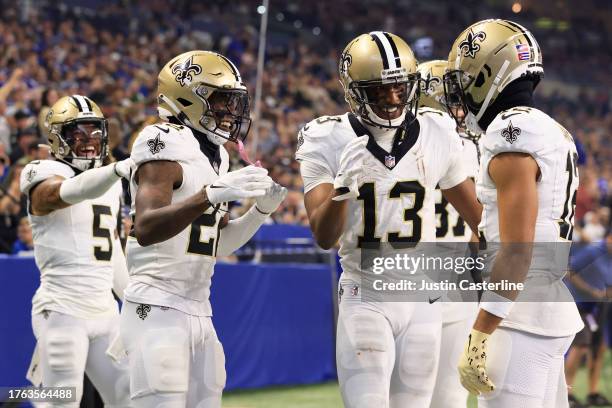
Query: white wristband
x,y
88,185
496,304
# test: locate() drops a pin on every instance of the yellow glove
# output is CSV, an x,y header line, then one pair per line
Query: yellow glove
x,y
472,364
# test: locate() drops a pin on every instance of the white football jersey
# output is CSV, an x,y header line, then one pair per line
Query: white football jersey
x,y
450,226
396,201
73,248
528,130
177,272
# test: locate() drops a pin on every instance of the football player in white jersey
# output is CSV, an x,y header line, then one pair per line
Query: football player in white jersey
x,y
527,185
369,177
73,206
180,192
457,315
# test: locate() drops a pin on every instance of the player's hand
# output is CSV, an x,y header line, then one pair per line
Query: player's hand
x,y
472,364
351,166
248,182
124,168
269,202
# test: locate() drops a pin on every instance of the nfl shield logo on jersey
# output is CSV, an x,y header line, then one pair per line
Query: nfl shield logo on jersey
x,y
390,161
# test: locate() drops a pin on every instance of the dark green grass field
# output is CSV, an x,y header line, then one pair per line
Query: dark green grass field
x,y
327,395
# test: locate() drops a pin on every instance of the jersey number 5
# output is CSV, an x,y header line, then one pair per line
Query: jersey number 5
x,y
99,232
368,195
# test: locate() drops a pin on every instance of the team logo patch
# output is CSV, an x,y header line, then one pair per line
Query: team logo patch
x,y
390,161
300,141
30,175
510,133
469,46
355,290
183,73
156,145
523,52
143,310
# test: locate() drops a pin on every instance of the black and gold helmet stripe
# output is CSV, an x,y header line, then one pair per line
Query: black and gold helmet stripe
x,y
387,48
398,61
528,36
82,103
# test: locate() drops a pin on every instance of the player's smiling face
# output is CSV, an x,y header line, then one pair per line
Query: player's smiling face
x,y
226,106
387,101
86,140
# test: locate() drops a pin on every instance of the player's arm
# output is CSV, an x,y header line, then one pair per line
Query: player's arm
x,y
326,216
326,203
156,218
583,286
235,233
463,198
515,177
57,192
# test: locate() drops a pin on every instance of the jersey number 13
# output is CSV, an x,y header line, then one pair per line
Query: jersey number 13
x,y
367,194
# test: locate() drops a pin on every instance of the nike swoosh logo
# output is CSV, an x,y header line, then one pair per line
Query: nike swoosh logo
x,y
505,116
306,127
434,300
162,129
213,186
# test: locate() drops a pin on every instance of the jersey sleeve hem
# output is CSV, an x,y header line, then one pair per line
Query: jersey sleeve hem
x,y
317,183
453,182
535,157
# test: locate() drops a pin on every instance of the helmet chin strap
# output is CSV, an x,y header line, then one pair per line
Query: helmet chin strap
x,y
378,121
475,127
84,164
384,123
215,138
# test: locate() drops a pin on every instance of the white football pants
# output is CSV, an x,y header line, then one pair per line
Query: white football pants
x,y
69,346
386,353
527,370
176,359
448,391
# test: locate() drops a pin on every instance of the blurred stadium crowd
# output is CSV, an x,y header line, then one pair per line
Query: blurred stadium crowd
x,y
112,52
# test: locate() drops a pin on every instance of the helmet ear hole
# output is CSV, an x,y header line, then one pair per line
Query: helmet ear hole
x,y
480,80
184,102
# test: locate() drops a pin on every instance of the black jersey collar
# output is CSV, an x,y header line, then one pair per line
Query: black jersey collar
x,y
210,150
402,143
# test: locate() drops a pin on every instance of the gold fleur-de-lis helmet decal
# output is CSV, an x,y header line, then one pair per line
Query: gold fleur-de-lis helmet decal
x,y
432,91
345,62
470,45
184,72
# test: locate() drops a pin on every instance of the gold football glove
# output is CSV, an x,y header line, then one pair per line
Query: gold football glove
x,y
472,364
